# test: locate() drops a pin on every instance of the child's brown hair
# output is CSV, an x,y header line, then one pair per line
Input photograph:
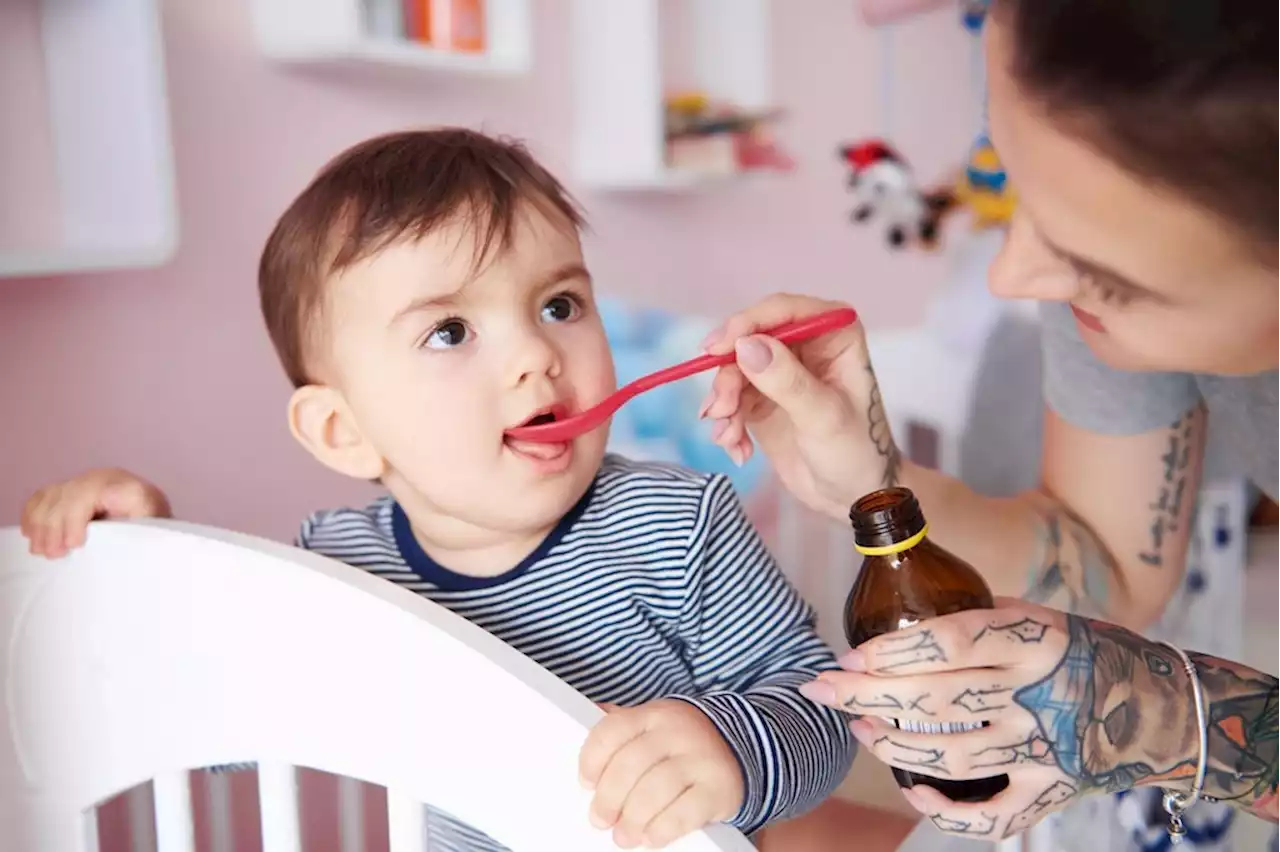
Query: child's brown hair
x,y
394,187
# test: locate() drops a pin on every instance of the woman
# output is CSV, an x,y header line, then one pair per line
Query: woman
x,y
1142,139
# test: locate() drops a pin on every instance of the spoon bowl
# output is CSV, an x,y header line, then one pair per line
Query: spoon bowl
x,y
563,431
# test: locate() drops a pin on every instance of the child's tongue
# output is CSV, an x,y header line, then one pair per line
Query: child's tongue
x,y
536,449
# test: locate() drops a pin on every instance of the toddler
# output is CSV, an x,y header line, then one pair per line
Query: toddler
x,y
426,293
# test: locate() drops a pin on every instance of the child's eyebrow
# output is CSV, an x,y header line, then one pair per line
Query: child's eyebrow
x,y
564,273
423,303
559,275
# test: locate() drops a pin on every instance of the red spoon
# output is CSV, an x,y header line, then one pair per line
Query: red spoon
x,y
562,431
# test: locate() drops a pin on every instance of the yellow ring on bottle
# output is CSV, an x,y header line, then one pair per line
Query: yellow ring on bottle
x,y
896,547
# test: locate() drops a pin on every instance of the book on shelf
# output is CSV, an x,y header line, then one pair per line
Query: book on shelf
x,y
452,25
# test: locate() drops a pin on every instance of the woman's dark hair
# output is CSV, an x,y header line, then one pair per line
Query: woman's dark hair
x,y
1180,92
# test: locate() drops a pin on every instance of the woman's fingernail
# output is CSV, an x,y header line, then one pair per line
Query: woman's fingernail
x,y
712,336
718,428
853,661
753,354
913,799
709,401
818,691
861,730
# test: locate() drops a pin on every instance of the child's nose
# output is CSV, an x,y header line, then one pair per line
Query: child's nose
x,y
534,356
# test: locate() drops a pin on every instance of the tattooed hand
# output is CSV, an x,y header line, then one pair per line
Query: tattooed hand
x,y
1070,707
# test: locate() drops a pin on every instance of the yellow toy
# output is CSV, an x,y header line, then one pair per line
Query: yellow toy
x,y
984,188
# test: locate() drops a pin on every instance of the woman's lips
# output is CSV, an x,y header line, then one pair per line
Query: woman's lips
x,y
1088,320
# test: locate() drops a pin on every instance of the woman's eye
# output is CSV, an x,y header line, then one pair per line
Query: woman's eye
x,y
560,309
447,335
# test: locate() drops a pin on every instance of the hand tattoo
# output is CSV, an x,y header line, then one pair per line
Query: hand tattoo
x,y
1034,749
1051,799
984,825
1116,710
910,648
1177,460
1026,631
905,755
878,429
982,700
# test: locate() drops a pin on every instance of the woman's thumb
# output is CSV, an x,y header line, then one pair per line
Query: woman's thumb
x,y
777,373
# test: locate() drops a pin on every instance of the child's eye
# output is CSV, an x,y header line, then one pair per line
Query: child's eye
x,y
446,335
560,309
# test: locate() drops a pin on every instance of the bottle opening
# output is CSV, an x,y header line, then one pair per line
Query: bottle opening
x,y
886,518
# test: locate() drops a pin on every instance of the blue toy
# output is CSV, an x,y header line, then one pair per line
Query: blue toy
x,y
973,13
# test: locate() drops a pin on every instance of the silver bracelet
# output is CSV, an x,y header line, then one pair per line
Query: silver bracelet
x,y
1176,803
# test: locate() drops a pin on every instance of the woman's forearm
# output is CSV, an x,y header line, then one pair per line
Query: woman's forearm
x,y
1030,546
1242,750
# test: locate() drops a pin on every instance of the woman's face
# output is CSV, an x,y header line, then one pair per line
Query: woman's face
x,y
1156,282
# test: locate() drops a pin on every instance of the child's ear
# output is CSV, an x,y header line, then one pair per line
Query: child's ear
x,y
321,421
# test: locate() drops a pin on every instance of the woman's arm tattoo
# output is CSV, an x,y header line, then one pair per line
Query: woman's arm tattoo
x,y
1241,705
1118,712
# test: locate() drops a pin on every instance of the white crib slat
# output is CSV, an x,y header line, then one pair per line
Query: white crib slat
x,y
351,813
142,822
278,803
406,824
90,839
171,797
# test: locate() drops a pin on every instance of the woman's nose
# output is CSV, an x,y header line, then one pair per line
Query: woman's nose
x,y
1026,269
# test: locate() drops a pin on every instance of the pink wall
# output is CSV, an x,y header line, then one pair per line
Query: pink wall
x,y
169,372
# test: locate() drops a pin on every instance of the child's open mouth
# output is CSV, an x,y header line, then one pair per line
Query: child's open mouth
x,y
537,450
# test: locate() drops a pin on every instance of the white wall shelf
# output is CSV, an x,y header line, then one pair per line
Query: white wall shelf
x,y
620,49
337,32
85,138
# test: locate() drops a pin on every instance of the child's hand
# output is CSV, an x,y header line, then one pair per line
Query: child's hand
x,y
55,517
659,771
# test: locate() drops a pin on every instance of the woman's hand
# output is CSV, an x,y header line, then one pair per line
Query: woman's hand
x,y
815,410
1066,707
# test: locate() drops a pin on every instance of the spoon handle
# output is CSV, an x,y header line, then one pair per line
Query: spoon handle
x,y
788,333
791,332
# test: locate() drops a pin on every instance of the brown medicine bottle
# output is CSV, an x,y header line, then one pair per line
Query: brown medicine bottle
x,y
906,578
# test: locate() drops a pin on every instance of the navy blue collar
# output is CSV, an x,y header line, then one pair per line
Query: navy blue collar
x,y
443,578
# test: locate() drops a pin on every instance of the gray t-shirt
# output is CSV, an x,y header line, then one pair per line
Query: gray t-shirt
x,y
1089,394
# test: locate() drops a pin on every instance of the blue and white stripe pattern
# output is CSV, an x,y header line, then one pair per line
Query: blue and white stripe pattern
x,y
654,586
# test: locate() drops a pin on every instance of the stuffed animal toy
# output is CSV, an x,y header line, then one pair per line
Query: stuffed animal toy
x,y
883,186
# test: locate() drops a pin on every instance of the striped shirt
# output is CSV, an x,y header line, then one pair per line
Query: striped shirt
x,y
655,585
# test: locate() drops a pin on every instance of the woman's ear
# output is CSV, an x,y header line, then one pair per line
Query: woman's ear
x,y
323,423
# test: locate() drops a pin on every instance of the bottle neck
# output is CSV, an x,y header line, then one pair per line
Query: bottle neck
x,y
894,548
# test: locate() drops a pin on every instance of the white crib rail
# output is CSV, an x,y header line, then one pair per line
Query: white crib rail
x,y
163,646
174,823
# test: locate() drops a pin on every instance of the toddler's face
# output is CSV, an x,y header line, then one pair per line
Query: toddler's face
x,y
436,359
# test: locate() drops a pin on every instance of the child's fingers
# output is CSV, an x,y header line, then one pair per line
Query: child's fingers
x,y
649,796
685,815
37,522
34,511
76,527
625,768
